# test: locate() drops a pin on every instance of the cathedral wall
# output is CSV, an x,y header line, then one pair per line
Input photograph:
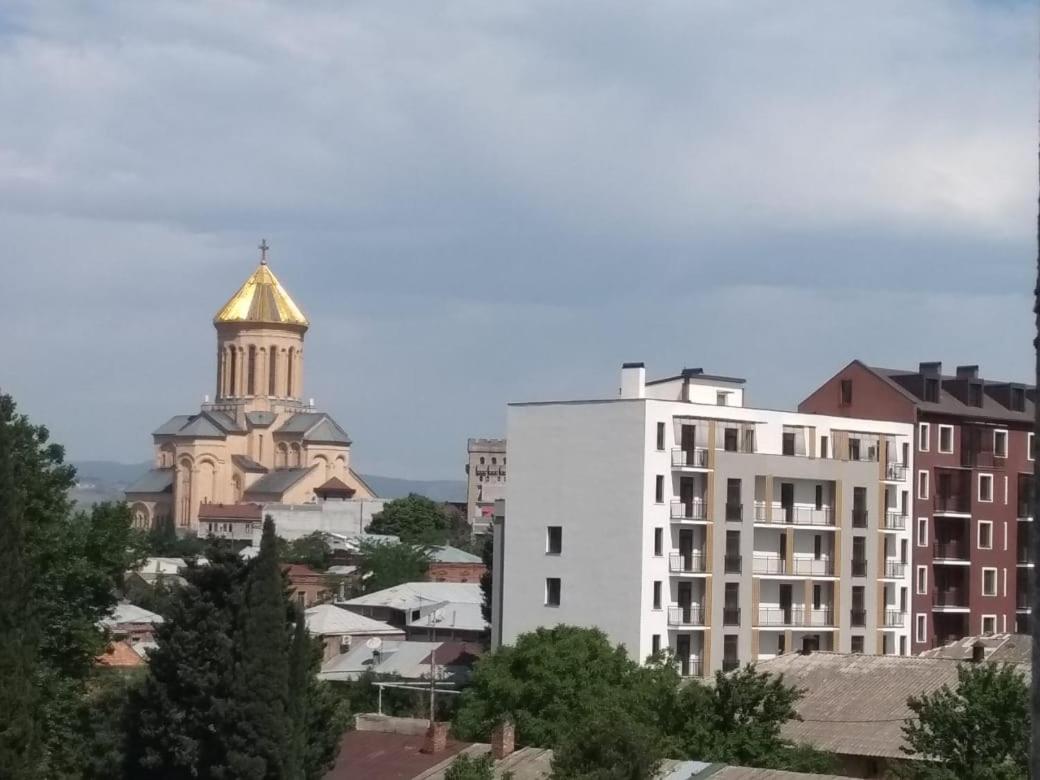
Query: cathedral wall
x,y
244,361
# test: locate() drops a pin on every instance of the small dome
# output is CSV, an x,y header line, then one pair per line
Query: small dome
x,y
262,299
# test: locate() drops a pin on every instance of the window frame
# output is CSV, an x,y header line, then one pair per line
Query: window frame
x,y
992,487
548,591
548,540
920,627
658,542
978,534
997,435
657,597
939,439
924,437
982,624
659,488
660,436
922,523
982,584
925,494
921,583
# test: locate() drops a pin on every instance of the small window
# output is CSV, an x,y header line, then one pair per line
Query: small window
x,y
658,542
817,547
946,439
494,461
819,497
655,644
857,644
660,435
985,535
729,440
989,582
922,580
552,591
989,624
1000,443
986,487
922,532
481,460
721,399
845,395
659,489
1018,399
554,539
657,594
922,484
415,615
788,443
923,437
817,596
824,442
920,627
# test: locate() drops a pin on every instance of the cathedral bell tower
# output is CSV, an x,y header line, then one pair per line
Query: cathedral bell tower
x,y
260,345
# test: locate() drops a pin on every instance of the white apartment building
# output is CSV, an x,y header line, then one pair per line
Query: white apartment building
x,y
674,516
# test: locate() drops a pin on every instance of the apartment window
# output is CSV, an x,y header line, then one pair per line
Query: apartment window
x,y
817,596
819,497
920,627
857,644
924,437
554,539
946,439
660,435
659,489
859,556
922,484
729,439
985,535
922,580
986,487
824,442
552,591
655,644
788,443
989,624
658,542
922,532
989,581
729,651
817,547
845,392
1000,443
657,594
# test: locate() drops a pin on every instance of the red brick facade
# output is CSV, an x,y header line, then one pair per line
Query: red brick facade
x,y
455,572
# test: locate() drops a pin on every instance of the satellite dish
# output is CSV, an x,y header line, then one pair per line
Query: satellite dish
x,y
374,644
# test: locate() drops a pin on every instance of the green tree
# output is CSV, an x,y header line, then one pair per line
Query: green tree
x,y
979,729
311,550
162,541
466,767
414,519
385,564
609,744
487,554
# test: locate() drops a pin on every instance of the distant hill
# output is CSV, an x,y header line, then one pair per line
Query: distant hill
x,y
105,480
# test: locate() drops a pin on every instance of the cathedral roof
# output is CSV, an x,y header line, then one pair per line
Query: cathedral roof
x,y
277,481
210,424
153,481
262,299
315,427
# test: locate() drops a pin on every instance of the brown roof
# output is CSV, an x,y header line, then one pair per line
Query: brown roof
x,y
335,485
375,755
120,654
230,512
856,704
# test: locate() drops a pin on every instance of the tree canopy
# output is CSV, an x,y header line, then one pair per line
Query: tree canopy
x,y
609,744
416,519
978,729
311,550
385,564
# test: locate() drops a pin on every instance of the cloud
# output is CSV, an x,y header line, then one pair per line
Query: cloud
x,y
485,202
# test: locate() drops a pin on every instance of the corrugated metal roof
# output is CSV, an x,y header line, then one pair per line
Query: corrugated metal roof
x,y
999,648
327,619
125,612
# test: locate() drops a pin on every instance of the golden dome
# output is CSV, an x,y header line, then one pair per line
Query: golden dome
x,y
261,299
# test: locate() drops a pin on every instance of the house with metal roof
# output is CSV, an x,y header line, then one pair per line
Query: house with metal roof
x,y
427,610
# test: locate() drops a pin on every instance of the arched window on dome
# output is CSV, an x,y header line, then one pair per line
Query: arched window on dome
x,y
272,379
251,376
289,368
281,459
233,372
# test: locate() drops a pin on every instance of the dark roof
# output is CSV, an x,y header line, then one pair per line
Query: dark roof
x,y
948,403
335,486
247,464
375,755
234,512
261,419
208,424
153,481
697,373
172,425
316,427
277,481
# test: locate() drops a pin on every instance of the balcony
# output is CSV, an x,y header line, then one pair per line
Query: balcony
x,y
859,517
730,664
694,562
894,521
689,510
734,512
956,598
731,616
793,515
1023,556
799,567
895,472
951,550
814,567
894,570
857,618
952,504
697,458
859,568
690,667
731,564
1022,600
682,616
893,618
795,616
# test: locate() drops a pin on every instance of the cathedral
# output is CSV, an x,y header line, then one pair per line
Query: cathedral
x,y
258,442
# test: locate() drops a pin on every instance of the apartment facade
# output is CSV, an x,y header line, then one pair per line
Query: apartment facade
x,y
673,516
972,486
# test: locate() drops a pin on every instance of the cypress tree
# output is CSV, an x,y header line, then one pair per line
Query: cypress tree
x,y
299,673
259,744
19,728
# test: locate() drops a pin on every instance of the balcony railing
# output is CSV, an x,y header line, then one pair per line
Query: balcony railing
x,y
734,512
694,562
685,615
795,616
696,458
895,570
762,564
895,472
953,503
731,564
894,618
857,618
800,567
954,551
894,521
793,515
731,616
859,518
951,597
814,567
859,568
690,510
690,667
730,664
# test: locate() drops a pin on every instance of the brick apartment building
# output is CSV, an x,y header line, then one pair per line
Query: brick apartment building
x,y
972,495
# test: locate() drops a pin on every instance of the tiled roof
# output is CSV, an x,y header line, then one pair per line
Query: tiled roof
x,y
172,425
277,482
856,704
375,755
999,648
153,481
448,554
230,512
120,654
335,485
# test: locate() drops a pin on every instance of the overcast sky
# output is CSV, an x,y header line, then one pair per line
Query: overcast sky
x,y
477,203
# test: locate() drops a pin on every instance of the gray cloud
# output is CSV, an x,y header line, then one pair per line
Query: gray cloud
x,y
478,203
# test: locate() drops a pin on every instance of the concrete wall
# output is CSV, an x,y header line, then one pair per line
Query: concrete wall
x,y
338,517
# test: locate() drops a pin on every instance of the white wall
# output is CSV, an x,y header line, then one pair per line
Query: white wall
x,y
340,517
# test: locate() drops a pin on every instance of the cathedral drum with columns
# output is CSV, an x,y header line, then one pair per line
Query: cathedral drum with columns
x,y
258,442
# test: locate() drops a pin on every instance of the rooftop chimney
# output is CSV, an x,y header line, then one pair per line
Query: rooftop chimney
x,y
503,740
967,372
978,652
930,369
633,380
436,738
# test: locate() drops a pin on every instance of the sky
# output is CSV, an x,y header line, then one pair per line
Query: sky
x,y
477,203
